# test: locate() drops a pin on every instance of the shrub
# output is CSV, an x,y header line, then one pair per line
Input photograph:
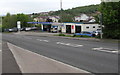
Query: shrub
x,y
61,34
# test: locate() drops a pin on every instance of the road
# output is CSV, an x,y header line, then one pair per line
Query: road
x,y
92,56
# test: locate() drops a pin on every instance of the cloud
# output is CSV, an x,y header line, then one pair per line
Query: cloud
x,y
30,6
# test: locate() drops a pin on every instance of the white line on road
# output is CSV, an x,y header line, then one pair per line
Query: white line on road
x,y
106,50
43,40
69,44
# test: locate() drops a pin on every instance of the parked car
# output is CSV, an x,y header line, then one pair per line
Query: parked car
x,y
54,29
85,33
97,32
11,30
28,28
34,28
22,29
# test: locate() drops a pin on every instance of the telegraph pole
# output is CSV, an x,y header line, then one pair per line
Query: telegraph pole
x,y
61,15
101,34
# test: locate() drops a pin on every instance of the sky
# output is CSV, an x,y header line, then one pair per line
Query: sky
x,y
36,6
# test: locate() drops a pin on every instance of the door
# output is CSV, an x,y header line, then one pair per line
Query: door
x,y
68,28
77,29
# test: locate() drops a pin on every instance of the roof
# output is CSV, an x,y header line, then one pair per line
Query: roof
x,y
61,23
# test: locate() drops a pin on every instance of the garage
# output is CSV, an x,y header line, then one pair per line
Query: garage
x,y
77,29
68,28
47,27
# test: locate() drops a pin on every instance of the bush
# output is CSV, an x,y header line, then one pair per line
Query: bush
x,y
61,34
81,36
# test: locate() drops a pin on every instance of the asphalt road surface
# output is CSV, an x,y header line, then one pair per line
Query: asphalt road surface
x,y
92,56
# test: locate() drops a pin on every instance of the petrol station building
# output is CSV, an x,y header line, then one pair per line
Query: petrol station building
x,y
69,27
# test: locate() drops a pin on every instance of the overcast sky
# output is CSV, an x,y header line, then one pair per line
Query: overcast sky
x,y
33,6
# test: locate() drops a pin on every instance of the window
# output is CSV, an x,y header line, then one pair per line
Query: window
x,y
99,26
87,27
93,26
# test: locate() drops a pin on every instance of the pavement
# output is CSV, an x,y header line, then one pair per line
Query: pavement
x,y
9,64
91,56
0,62
30,62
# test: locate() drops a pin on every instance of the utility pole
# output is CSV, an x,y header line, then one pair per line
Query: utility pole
x,y
101,34
61,15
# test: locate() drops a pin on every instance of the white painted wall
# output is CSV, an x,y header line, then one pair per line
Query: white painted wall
x,y
42,26
73,30
84,27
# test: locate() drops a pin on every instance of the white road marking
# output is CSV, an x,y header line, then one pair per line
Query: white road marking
x,y
43,40
39,40
106,50
69,44
0,50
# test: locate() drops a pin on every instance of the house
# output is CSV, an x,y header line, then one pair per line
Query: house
x,y
44,18
84,18
54,18
81,18
43,13
41,19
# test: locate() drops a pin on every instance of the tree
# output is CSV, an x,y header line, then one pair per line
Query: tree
x,y
111,20
24,19
9,21
64,17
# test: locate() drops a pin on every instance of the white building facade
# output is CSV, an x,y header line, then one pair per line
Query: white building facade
x,y
77,28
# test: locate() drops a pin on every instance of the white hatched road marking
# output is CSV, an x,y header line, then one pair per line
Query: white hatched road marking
x,y
43,40
106,50
69,44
